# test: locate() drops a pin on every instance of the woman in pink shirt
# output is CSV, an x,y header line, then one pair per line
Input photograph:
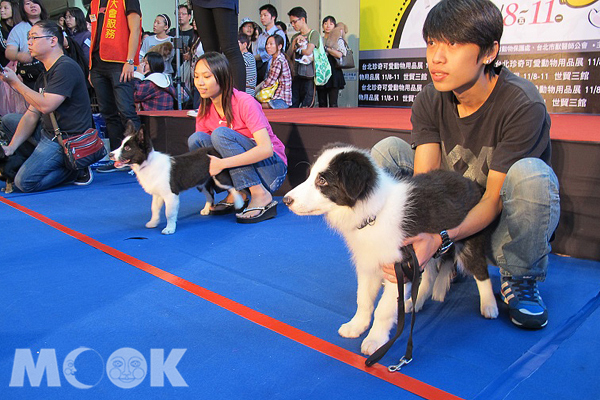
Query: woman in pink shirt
x,y
234,124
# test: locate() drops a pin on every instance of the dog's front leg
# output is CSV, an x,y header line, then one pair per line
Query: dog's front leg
x,y
171,210
487,301
157,203
369,285
386,315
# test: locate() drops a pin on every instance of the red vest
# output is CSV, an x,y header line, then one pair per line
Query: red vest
x,y
115,32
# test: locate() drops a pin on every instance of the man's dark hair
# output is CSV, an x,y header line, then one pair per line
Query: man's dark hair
x,y
186,7
270,9
466,21
298,12
51,28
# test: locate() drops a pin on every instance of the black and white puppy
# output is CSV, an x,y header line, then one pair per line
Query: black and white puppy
x,y
375,213
164,176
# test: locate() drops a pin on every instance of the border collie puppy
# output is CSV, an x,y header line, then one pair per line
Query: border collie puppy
x,y
375,213
164,177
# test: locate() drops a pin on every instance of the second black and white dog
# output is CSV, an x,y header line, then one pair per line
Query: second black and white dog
x,y
164,176
375,213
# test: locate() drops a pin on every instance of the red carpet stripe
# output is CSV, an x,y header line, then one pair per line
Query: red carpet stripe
x,y
405,382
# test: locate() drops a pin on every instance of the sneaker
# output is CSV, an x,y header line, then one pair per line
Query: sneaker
x,y
525,305
110,167
85,177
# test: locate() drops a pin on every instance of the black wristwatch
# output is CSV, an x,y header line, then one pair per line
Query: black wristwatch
x,y
446,244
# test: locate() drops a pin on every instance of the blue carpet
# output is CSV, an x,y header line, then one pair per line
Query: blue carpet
x,y
59,293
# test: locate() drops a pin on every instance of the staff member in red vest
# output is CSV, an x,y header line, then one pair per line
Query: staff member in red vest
x,y
116,41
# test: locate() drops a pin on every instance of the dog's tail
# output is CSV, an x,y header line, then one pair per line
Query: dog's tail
x,y
238,200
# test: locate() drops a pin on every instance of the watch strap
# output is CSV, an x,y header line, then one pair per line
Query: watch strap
x,y
446,244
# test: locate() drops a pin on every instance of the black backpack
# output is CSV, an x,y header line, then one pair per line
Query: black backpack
x,y
76,53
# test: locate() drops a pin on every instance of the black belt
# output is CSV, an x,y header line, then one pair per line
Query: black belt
x,y
409,267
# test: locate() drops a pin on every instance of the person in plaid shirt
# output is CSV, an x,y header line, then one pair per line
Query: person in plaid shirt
x,y
280,71
154,90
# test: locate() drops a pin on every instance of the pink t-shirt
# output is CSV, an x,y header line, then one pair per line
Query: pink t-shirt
x,y
248,118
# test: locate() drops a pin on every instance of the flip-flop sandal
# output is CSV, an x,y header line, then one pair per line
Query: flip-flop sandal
x,y
267,212
223,207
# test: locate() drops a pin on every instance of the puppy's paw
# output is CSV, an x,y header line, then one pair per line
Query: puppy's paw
x,y
206,209
353,329
372,342
420,302
489,310
168,230
152,223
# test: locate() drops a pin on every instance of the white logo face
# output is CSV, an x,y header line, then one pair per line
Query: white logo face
x,y
83,368
126,368
85,364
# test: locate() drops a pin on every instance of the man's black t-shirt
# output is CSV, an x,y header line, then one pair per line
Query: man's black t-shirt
x,y
512,124
74,115
187,37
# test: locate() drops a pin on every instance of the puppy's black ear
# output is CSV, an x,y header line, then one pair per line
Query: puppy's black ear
x,y
129,128
143,138
357,176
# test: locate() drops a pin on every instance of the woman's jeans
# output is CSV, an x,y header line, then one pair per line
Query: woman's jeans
x,y
269,172
520,239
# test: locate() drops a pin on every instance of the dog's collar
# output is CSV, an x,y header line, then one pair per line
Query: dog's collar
x,y
369,221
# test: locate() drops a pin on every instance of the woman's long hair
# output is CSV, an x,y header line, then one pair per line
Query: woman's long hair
x,y
219,66
80,24
25,17
16,15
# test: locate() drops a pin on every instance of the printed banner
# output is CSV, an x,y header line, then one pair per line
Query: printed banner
x,y
393,67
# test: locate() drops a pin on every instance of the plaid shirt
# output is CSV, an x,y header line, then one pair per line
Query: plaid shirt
x,y
152,97
280,71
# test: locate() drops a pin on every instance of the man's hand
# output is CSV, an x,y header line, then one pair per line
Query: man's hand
x,y
127,73
425,246
8,150
9,76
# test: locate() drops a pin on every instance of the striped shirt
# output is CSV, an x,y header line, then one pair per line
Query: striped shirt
x,y
250,72
280,71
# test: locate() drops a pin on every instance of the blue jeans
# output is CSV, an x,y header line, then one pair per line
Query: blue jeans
x,y
44,169
269,172
520,240
278,104
115,99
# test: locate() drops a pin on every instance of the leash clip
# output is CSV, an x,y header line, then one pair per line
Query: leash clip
x,y
403,361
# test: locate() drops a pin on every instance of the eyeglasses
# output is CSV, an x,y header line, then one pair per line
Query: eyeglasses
x,y
293,21
38,37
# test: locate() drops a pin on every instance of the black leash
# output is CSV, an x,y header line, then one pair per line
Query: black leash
x,y
409,267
